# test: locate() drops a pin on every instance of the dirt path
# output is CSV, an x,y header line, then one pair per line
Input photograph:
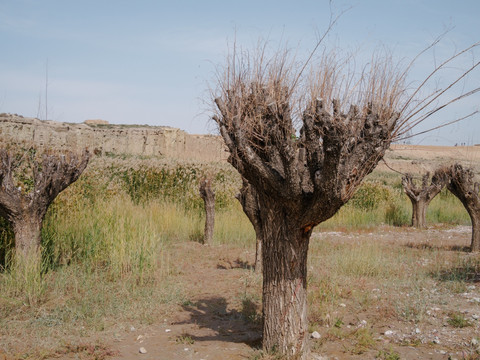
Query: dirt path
x,y
210,323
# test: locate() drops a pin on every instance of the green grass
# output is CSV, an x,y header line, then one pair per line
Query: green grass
x,y
381,200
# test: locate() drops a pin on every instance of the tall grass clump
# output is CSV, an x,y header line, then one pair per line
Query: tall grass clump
x,y
396,214
117,236
25,280
445,208
233,227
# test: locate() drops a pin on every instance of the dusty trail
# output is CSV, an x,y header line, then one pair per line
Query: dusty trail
x,y
209,324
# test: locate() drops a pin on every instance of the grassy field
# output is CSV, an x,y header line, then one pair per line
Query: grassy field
x,y
109,258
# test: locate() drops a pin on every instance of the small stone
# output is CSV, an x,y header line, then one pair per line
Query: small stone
x,y
140,337
475,316
343,305
474,342
389,333
186,349
142,350
132,328
443,352
362,324
168,330
436,340
417,331
316,335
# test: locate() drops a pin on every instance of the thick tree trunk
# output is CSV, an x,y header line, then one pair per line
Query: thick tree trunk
x,y
475,245
419,213
208,196
27,229
285,247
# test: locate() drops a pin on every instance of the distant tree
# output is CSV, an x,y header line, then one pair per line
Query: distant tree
x,y
208,196
29,182
422,195
463,185
304,138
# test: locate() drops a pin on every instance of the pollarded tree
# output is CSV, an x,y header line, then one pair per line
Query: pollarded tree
x,y
422,195
251,207
29,182
463,186
304,144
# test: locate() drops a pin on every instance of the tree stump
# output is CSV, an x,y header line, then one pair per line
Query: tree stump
x,y
208,196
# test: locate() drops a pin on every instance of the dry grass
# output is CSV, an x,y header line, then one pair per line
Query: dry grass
x,y
110,263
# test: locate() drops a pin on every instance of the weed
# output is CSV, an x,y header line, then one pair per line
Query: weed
x,y
338,323
363,341
389,354
249,310
458,320
185,339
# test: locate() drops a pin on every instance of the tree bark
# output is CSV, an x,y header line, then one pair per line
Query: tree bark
x,y
27,229
419,213
208,196
285,323
258,254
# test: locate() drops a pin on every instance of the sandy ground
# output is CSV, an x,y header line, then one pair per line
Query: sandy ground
x,y
210,325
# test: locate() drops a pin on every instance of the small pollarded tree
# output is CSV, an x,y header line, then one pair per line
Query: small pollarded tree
x,y
208,196
304,140
422,195
29,182
251,207
463,185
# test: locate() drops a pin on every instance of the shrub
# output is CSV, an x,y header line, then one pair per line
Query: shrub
x,y
396,215
370,195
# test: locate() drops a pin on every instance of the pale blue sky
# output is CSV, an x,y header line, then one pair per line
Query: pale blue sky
x,y
149,62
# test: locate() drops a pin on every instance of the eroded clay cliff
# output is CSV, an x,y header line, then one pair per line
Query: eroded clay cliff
x,y
101,137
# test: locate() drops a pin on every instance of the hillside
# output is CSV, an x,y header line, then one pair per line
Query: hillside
x,y
168,142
